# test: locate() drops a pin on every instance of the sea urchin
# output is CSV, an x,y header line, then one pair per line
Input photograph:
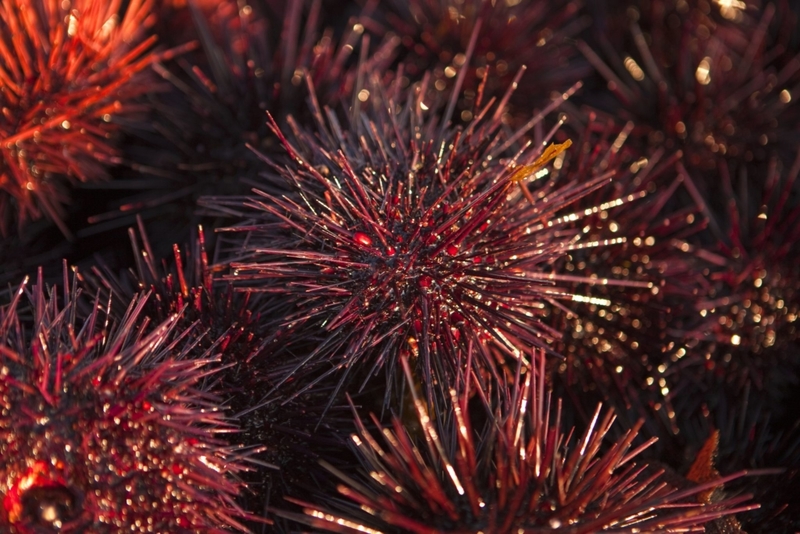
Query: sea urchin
x,y
406,236
102,427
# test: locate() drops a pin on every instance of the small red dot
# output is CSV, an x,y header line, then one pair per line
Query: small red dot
x,y
362,239
452,250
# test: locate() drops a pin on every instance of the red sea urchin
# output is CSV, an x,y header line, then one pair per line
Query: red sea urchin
x,y
520,473
102,428
68,72
508,36
743,332
702,78
290,435
406,236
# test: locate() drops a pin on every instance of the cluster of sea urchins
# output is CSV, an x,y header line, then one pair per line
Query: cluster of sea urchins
x,y
551,250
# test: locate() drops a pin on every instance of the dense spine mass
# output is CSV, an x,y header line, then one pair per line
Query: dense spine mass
x,y
526,42
403,236
522,472
72,75
103,426
248,59
441,213
285,438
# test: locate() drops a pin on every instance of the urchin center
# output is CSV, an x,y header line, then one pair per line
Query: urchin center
x,y
400,273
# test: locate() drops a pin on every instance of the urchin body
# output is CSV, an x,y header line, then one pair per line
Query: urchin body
x,y
73,73
522,472
396,242
104,429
